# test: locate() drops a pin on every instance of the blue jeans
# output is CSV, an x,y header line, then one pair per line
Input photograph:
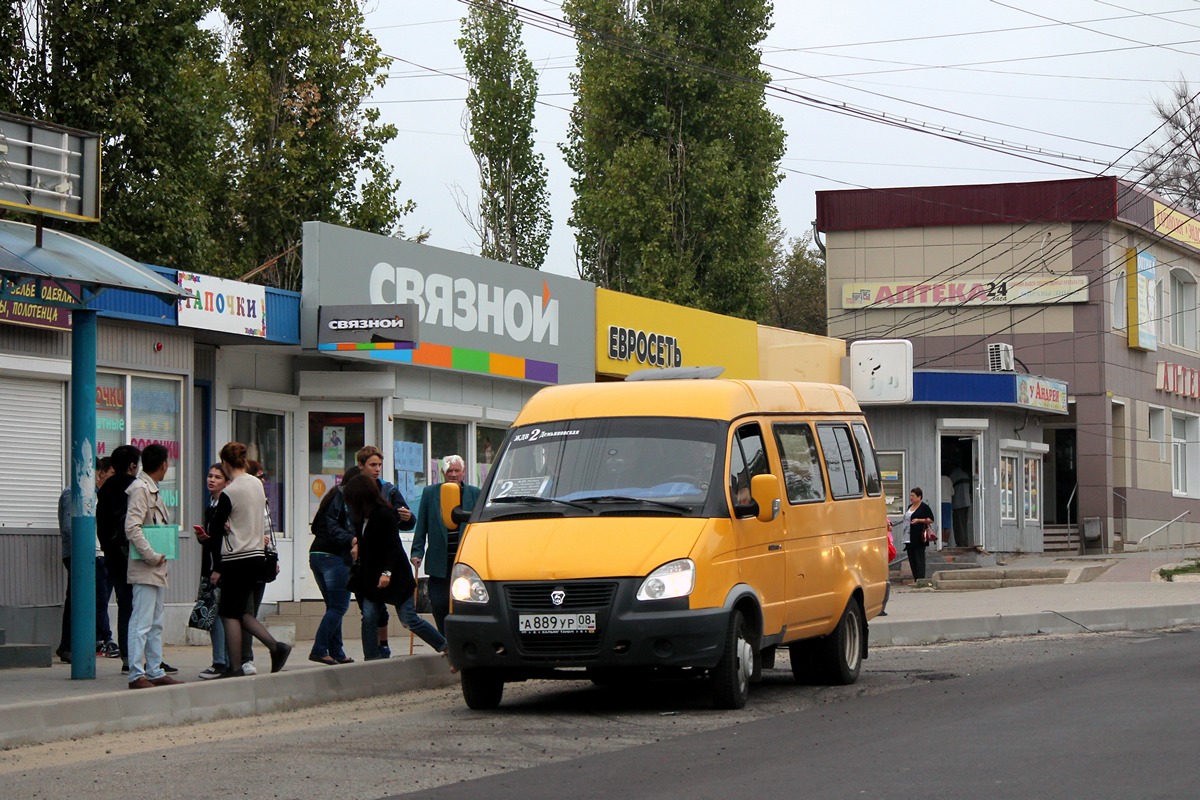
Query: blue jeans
x,y
330,573
145,632
409,618
220,657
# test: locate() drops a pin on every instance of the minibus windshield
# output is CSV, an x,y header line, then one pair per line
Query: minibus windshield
x,y
596,466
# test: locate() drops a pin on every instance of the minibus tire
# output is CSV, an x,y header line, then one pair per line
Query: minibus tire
x,y
803,656
839,655
482,689
731,676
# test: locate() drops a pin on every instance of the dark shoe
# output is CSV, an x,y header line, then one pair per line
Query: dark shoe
x,y
166,680
111,650
279,655
124,669
167,668
63,655
141,683
384,650
328,661
344,660
215,671
232,673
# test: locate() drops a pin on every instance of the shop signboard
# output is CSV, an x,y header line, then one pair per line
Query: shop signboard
x,y
219,304
476,315
635,333
1141,272
38,304
1044,394
367,327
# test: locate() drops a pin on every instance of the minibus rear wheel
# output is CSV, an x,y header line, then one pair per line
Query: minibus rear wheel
x,y
731,676
482,689
839,655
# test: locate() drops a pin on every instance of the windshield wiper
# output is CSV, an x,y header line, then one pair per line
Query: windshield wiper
x,y
619,498
533,499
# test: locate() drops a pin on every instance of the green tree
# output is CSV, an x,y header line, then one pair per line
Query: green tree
x,y
145,77
301,144
796,286
1172,167
674,151
513,222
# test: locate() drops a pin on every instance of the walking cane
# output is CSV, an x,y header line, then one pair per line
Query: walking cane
x,y
412,636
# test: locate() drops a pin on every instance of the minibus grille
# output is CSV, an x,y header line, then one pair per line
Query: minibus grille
x,y
581,596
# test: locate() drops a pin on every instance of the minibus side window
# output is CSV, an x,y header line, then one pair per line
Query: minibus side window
x,y
841,461
870,468
747,458
801,465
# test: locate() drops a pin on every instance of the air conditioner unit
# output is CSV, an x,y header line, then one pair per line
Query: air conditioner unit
x,y
1000,358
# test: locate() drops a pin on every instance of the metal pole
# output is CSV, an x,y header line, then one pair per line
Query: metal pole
x,y
83,494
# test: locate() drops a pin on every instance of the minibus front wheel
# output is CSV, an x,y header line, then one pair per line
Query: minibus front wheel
x,y
731,676
482,688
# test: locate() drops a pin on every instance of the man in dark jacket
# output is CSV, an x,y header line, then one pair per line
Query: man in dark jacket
x,y
111,505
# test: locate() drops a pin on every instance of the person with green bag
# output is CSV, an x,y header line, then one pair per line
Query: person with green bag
x,y
147,572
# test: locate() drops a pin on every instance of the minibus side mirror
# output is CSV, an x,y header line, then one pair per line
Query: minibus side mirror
x,y
450,499
765,491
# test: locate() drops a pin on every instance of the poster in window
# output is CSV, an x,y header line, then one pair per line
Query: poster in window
x,y
333,447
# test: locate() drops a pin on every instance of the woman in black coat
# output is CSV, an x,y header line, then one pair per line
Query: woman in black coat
x,y
920,519
384,575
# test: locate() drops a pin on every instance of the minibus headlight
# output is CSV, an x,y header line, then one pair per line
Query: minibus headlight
x,y
673,579
466,586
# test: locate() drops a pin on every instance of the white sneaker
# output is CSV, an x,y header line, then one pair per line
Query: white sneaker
x,y
249,668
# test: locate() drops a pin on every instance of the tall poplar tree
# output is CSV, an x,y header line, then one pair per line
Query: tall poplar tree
x,y
513,222
674,151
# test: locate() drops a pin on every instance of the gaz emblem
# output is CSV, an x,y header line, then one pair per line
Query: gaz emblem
x,y
557,596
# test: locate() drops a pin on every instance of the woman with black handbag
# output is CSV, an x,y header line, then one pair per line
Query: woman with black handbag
x,y
242,513
920,527
382,573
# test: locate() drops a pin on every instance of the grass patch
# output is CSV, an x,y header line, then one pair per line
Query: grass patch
x,y
1169,573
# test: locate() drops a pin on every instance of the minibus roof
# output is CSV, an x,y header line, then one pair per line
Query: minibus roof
x,y
696,399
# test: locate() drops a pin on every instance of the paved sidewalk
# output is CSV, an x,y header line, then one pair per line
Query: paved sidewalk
x,y
39,704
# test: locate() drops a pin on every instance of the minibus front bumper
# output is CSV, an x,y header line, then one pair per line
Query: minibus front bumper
x,y
627,632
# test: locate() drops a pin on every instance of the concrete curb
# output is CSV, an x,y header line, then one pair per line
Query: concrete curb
x,y
886,632
39,722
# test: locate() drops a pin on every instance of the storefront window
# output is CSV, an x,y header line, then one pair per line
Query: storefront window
x,y
1008,487
110,412
333,439
445,439
891,473
265,437
1033,489
487,442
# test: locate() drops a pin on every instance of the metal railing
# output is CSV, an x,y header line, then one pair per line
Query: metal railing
x,y
1167,527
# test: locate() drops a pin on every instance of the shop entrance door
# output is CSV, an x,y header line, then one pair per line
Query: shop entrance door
x,y
329,435
960,476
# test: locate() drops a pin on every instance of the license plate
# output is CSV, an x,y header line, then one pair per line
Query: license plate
x,y
556,623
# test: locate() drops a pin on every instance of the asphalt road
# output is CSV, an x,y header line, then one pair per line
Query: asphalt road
x,y
1095,715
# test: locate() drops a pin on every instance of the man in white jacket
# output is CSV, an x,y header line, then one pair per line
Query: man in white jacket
x,y
147,573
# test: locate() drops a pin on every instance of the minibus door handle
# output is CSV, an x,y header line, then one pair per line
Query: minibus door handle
x,y
773,547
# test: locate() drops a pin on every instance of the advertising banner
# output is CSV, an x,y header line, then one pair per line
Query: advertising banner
x,y
218,304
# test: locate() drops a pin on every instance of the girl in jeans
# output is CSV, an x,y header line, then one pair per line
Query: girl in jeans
x,y
329,559
210,553
384,572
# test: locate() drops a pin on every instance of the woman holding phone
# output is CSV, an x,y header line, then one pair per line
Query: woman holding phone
x,y
210,557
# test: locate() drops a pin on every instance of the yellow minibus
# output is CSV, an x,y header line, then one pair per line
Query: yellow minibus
x,y
671,527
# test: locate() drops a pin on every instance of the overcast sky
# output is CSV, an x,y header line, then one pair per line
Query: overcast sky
x,y
1068,84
